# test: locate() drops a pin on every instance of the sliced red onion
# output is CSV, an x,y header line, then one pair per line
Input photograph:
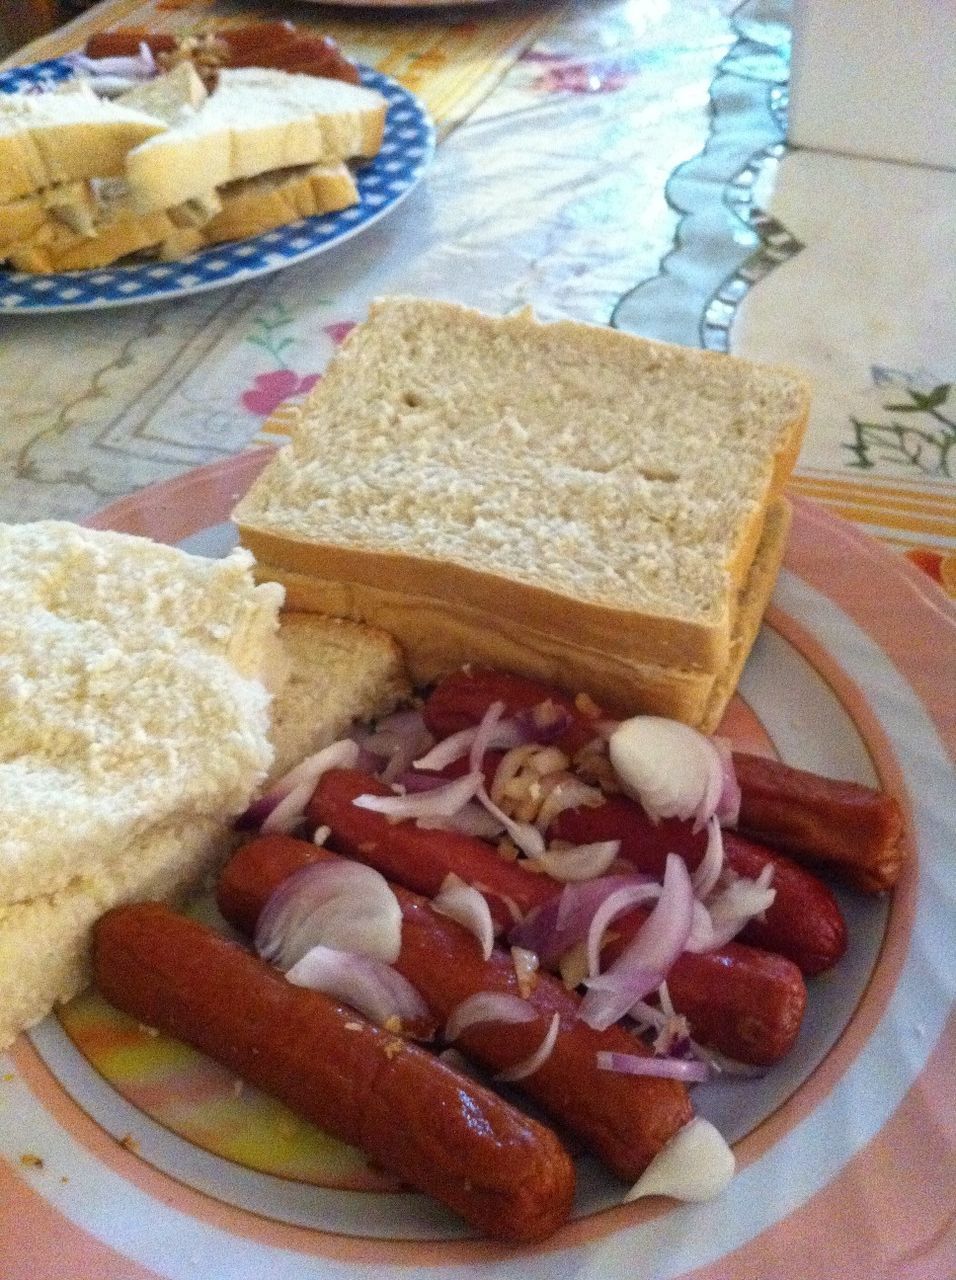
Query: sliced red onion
x,y
634,1064
645,962
506,734
580,861
738,902
728,806
472,819
710,866
371,987
398,739
524,834
459,901
569,793
528,1066
670,769
440,802
282,808
563,920
342,905
612,907
487,1006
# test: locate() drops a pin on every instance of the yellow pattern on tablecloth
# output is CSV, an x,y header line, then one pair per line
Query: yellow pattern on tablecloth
x,y
451,64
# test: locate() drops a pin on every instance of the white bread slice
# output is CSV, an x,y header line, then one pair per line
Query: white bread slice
x,y
171,96
336,672
568,487
50,138
252,206
257,120
130,698
114,231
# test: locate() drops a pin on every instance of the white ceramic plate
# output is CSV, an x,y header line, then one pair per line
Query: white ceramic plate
x,y
383,183
150,1165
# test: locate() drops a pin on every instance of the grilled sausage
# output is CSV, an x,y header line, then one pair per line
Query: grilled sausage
x,y
624,1120
761,997
505,1174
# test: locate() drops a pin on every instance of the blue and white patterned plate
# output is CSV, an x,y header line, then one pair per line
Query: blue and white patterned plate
x,y
383,183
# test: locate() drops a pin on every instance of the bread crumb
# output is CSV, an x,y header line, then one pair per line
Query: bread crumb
x,y
394,1048
393,1024
31,1161
64,1178
9,1075
129,1143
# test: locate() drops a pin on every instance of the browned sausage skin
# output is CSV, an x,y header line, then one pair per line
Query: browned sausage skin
x,y
623,1120
740,1000
505,1174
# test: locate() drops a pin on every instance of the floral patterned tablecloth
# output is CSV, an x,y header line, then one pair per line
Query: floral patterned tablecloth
x,y
614,161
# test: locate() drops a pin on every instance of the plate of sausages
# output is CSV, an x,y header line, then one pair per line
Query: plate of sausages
x,y
504,1122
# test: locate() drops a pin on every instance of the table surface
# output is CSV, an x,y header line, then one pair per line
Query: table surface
x,y
612,161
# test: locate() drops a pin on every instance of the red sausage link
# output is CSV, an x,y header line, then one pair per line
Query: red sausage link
x,y
804,923
462,698
853,831
505,1174
850,830
762,998
125,42
418,858
623,1120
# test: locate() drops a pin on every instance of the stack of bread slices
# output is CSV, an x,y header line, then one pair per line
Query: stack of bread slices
x,y
167,168
560,500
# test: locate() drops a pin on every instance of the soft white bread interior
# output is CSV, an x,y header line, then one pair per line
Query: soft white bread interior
x,y
327,673
562,488
52,138
131,697
257,120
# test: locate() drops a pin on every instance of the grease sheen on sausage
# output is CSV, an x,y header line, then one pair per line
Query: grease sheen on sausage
x,y
743,1001
624,1120
504,1173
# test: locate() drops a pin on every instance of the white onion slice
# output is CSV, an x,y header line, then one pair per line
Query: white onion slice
x,y
487,1006
337,904
737,903
696,1164
670,769
710,866
728,806
616,904
633,1064
580,861
506,734
644,964
569,793
441,802
526,965
459,901
525,835
472,819
528,1066
374,989
397,740
296,787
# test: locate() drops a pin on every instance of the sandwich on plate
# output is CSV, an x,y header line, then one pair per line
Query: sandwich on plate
x,y
263,149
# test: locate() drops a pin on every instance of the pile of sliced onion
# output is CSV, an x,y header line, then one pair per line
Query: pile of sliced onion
x,y
337,904
690,1070
673,771
369,986
114,75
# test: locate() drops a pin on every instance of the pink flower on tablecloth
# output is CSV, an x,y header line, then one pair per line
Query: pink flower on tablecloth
x,y
566,75
268,390
339,331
